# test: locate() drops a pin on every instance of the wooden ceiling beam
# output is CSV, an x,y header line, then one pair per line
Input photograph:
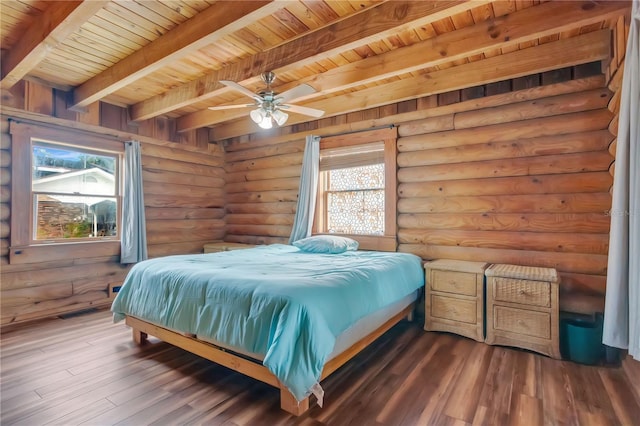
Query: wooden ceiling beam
x,y
203,29
354,31
529,24
56,23
589,47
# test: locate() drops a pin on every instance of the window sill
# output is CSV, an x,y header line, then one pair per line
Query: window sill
x,y
62,251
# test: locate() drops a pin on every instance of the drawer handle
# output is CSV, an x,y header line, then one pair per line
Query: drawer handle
x,y
520,323
522,292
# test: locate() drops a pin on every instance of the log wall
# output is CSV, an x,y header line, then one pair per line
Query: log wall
x,y
516,187
614,74
513,172
262,191
184,200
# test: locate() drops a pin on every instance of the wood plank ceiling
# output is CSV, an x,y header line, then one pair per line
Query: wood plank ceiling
x,y
166,57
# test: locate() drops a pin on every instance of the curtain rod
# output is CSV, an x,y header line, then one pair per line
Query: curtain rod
x,y
386,126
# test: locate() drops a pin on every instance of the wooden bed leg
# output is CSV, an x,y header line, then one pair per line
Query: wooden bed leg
x,y
138,336
410,316
289,404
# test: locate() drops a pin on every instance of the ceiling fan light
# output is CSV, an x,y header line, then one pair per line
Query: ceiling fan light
x,y
280,117
257,115
266,122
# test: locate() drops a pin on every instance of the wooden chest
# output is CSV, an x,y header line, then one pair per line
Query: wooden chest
x,y
522,308
219,246
454,299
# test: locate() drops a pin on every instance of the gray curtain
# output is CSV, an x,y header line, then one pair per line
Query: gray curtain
x,y
133,241
305,209
622,307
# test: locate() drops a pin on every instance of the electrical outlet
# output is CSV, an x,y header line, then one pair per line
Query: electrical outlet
x,y
113,289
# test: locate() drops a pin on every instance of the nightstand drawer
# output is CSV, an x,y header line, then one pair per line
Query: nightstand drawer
x,y
522,321
454,309
454,282
525,292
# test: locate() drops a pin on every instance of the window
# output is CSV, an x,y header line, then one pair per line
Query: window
x,y
67,191
74,192
354,194
357,188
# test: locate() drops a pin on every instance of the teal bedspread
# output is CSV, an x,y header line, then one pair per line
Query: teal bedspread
x,y
277,301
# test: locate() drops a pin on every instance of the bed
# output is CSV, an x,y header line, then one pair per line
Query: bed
x,y
288,316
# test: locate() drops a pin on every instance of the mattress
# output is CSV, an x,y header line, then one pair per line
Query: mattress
x,y
359,330
278,302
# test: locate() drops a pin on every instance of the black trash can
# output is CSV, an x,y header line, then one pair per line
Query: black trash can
x,y
581,339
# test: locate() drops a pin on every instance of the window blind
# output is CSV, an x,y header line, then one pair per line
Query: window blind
x,y
352,156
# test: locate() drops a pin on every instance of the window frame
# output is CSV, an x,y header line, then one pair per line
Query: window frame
x,y
24,248
389,135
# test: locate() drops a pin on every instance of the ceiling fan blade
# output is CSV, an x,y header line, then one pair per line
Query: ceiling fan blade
x,y
219,107
296,92
236,86
303,110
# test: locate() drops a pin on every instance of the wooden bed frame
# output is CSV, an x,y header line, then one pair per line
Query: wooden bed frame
x,y
254,368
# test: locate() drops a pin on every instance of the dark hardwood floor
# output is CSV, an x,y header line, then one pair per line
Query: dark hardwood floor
x,y
86,370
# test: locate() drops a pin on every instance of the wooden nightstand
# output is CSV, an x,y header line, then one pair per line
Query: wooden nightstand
x,y
219,246
454,297
522,308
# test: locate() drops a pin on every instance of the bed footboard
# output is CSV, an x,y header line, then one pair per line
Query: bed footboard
x,y
142,329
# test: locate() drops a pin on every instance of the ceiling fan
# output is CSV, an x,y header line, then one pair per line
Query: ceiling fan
x,y
271,104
